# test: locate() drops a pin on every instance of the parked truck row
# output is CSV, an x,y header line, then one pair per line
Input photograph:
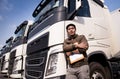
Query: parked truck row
x,y
36,50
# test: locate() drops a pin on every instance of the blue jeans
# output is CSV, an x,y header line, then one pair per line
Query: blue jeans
x,y
81,72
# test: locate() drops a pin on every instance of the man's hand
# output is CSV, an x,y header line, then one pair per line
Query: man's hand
x,y
68,53
72,52
76,44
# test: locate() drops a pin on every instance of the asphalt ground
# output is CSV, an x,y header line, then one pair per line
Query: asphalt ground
x,y
4,76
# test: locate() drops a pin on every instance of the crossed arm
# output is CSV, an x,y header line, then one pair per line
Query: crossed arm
x,y
73,48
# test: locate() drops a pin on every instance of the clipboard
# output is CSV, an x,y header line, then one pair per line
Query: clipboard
x,y
76,57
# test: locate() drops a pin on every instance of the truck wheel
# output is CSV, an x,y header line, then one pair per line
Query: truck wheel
x,y
97,71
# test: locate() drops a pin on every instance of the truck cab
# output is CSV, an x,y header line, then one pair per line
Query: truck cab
x,y
18,51
5,55
2,57
45,56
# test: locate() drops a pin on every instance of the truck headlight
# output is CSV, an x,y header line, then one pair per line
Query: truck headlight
x,y
52,64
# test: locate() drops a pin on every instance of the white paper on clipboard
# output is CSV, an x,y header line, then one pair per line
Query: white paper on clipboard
x,y
75,57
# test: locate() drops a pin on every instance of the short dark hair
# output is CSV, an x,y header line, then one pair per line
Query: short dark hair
x,y
70,25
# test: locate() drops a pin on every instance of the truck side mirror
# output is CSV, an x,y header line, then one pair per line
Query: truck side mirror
x,y
78,4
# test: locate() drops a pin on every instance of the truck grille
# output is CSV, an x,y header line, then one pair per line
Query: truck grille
x,y
2,62
36,58
35,65
11,62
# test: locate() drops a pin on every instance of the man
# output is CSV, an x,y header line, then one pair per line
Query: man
x,y
75,47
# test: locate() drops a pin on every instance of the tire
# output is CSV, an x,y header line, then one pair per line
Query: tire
x,y
97,71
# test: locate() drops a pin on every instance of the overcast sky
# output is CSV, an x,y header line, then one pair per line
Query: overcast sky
x,y
14,12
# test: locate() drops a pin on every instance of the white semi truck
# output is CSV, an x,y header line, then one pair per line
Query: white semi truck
x,y
43,45
45,56
18,51
5,55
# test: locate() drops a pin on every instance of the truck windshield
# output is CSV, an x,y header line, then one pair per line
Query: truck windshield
x,y
45,7
21,31
42,8
3,49
9,42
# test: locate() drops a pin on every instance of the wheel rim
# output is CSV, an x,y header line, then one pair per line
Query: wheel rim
x,y
97,75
